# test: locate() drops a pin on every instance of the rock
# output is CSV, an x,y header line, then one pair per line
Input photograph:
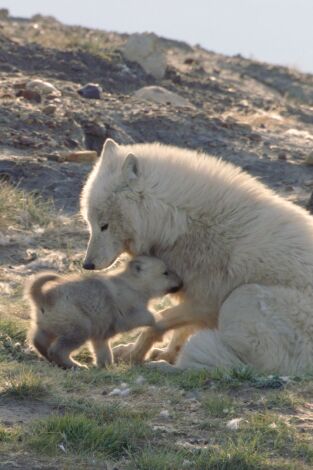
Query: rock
x,y
4,13
29,95
147,50
91,91
233,424
49,109
161,95
282,156
309,159
43,88
164,414
81,156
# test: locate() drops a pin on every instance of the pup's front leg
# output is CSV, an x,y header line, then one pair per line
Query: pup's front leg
x,y
103,352
172,318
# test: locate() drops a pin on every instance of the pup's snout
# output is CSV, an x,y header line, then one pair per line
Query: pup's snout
x,y
89,266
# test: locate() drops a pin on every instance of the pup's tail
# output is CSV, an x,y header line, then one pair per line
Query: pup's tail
x,y
206,350
34,288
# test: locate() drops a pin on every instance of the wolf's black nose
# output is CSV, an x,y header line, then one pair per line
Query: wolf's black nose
x,y
90,266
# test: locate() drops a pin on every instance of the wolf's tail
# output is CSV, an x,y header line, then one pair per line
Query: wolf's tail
x,y
206,350
34,288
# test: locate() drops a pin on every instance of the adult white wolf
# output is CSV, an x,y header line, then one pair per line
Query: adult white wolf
x,y
245,255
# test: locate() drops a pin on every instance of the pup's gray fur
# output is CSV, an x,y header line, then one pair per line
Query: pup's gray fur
x,y
68,311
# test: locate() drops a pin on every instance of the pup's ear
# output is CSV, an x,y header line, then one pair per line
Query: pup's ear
x,y
130,170
109,154
135,266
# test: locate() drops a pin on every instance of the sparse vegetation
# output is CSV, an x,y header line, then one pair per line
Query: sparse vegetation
x,y
24,385
18,208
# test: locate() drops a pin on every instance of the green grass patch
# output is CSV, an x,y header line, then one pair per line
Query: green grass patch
x,y
12,340
80,434
218,405
24,385
233,454
17,207
284,399
159,459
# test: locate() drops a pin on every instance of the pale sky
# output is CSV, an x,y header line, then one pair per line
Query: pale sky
x,y
276,31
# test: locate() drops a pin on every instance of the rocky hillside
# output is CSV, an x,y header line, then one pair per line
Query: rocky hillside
x,y
253,114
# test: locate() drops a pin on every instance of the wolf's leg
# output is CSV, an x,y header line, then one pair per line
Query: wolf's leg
x,y
103,352
175,317
266,327
42,340
60,350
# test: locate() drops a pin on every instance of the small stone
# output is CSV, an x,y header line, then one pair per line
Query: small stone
x,y
140,380
44,88
81,156
233,424
49,109
91,91
115,392
164,414
282,156
29,95
309,159
160,95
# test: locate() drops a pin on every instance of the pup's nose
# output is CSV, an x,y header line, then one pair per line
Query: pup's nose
x,y
89,266
177,288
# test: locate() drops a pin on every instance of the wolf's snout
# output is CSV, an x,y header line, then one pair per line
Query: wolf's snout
x,y
89,266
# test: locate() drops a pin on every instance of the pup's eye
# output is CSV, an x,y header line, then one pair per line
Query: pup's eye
x,y
104,227
165,273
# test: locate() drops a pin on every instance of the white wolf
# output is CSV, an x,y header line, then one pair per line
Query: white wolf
x,y
244,254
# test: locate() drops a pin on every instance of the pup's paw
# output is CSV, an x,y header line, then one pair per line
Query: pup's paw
x,y
123,352
167,355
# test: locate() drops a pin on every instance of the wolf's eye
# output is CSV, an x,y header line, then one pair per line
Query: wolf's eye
x,y
165,273
104,227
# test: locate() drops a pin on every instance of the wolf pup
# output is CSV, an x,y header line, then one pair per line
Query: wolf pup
x,y
68,311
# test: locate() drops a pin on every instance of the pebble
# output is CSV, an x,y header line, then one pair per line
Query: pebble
x,y
91,91
81,156
233,424
140,380
43,88
309,159
49,109
164,414
29,95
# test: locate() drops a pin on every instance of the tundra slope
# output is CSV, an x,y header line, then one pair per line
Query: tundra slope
x,y
244,254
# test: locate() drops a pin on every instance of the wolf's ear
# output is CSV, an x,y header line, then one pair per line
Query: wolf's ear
x,y
109,153
135,266
130,169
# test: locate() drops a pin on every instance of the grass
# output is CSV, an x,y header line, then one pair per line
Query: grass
x,y
24,385
22,209
217,405
80,433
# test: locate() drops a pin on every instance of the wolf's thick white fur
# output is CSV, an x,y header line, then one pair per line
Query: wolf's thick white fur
x,y
226,235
